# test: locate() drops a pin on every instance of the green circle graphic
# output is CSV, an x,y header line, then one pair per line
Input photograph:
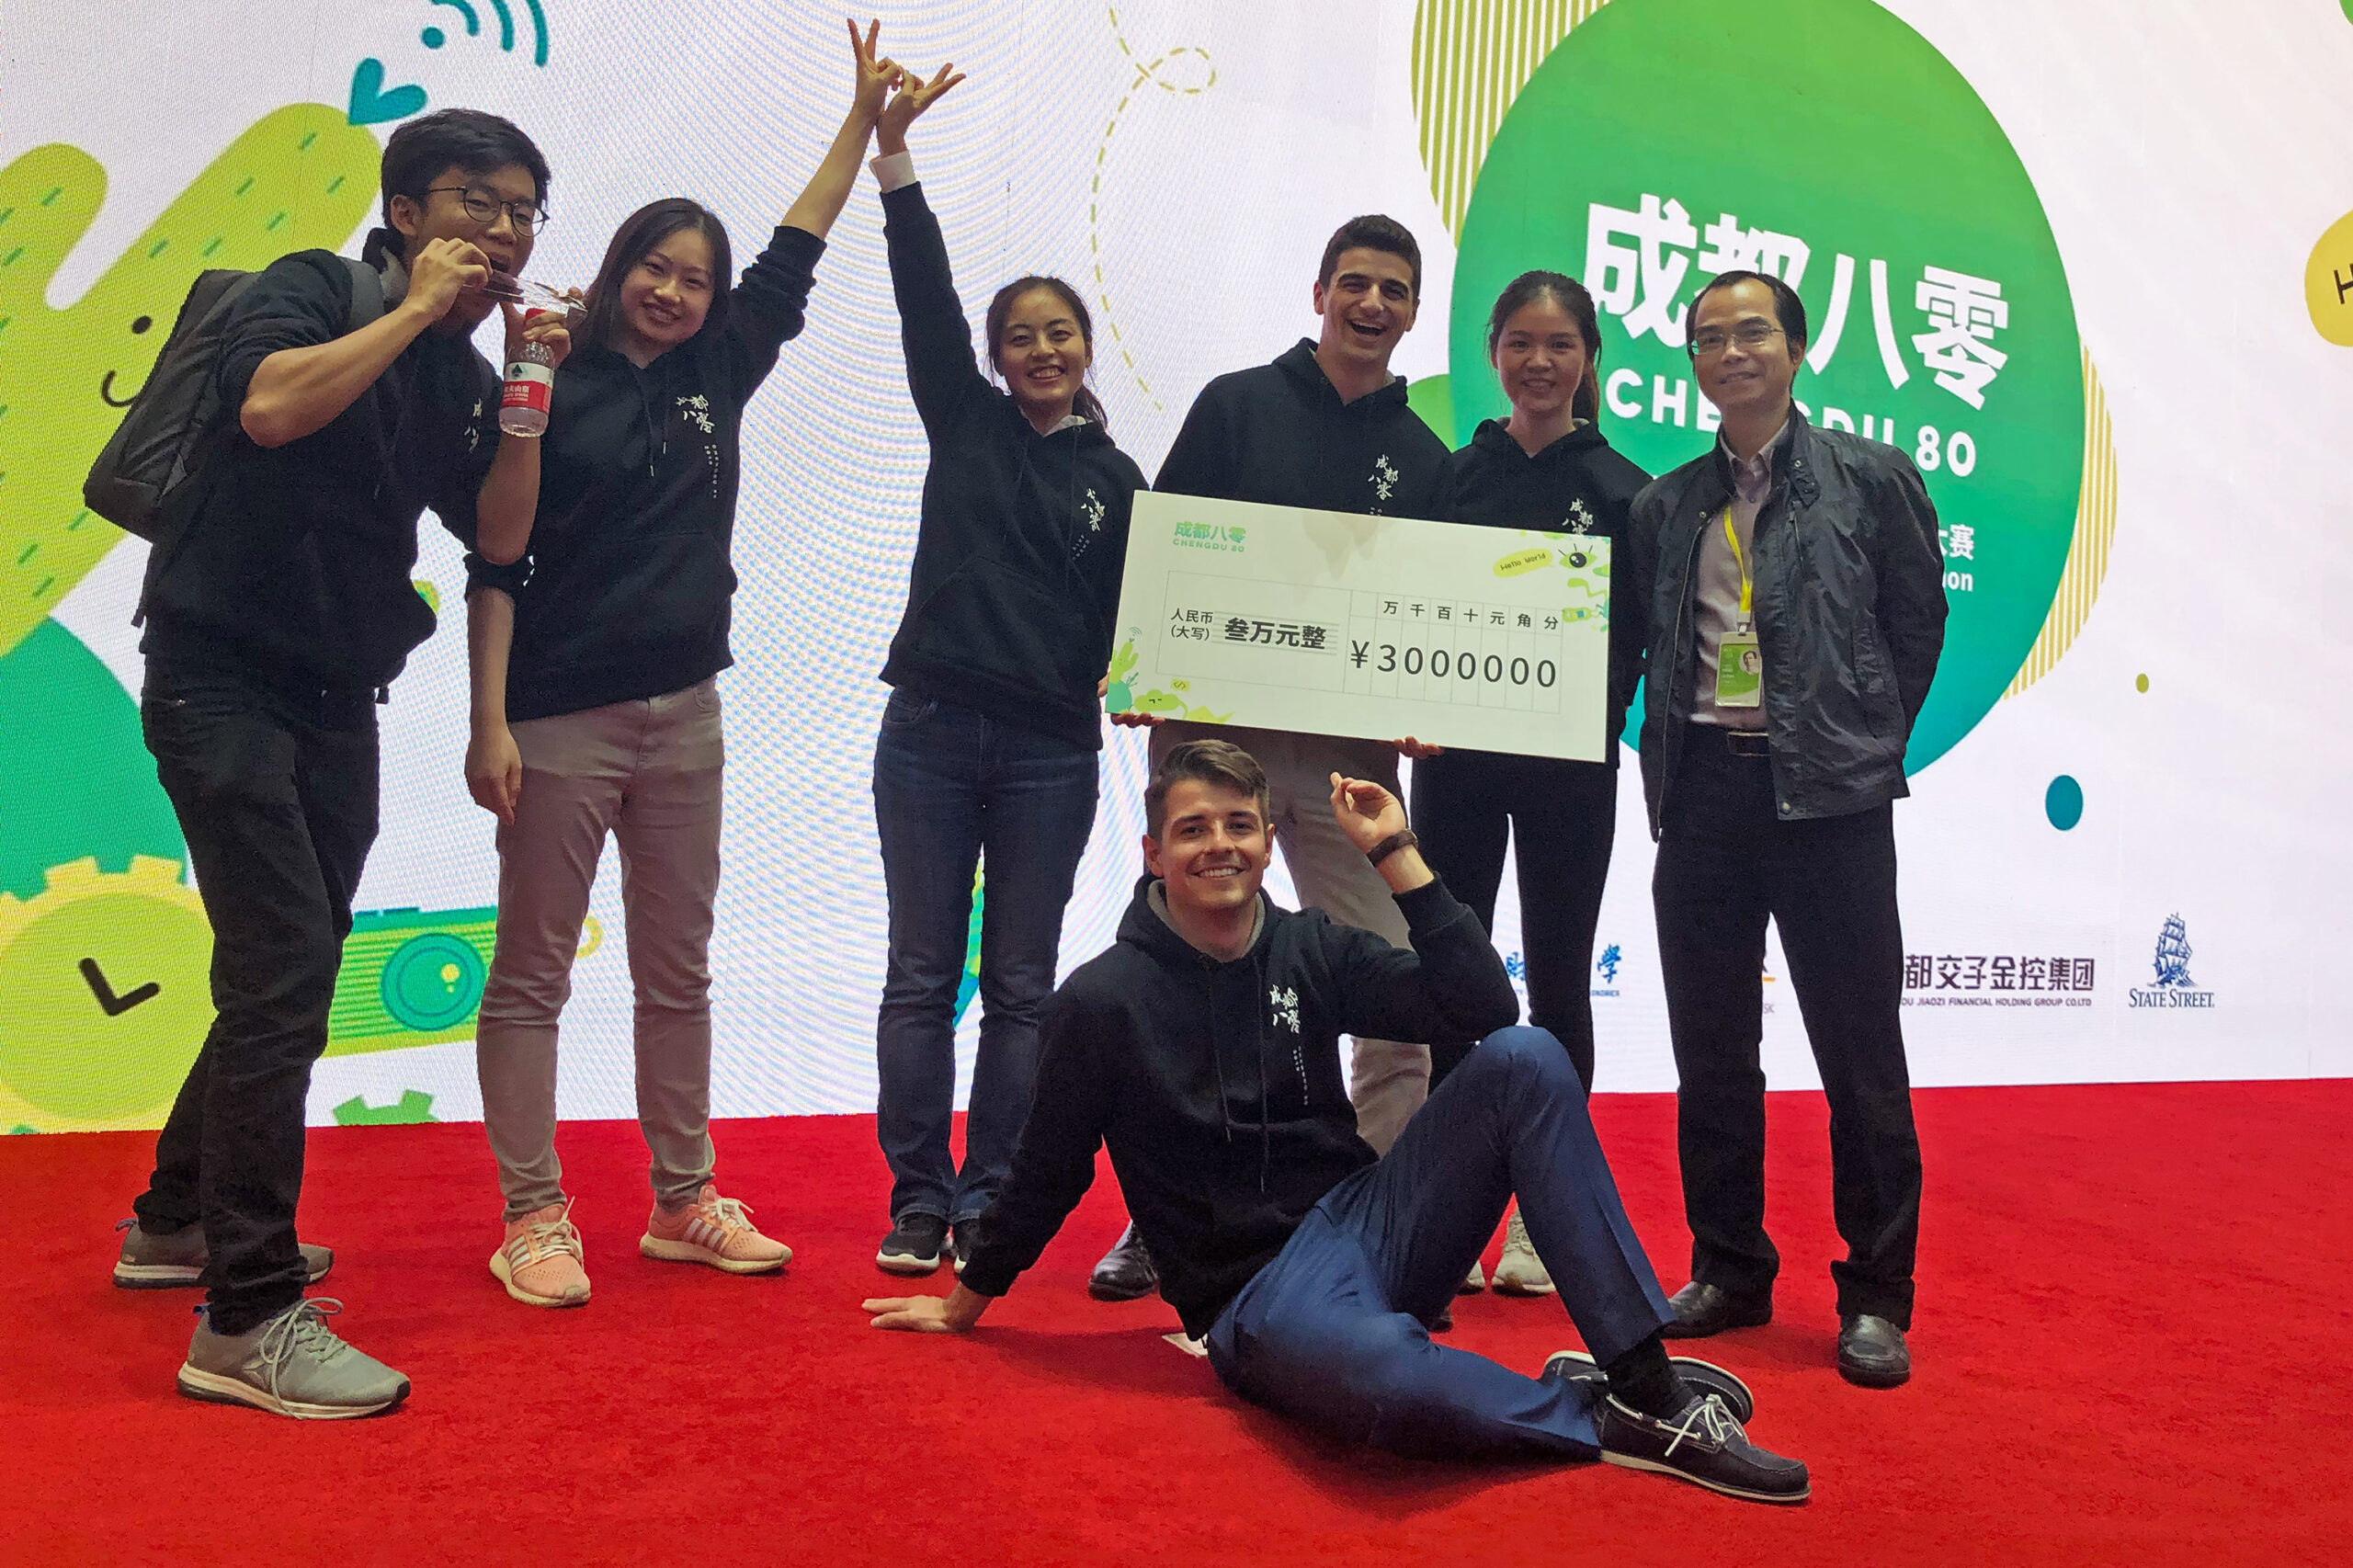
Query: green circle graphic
x,y
1665,141
432,981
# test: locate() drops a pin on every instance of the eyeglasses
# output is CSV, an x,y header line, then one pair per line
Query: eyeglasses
x,y
1750,334
483,207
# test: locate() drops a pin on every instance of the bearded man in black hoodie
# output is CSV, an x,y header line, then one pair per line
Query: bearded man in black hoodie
x,y
1202,1049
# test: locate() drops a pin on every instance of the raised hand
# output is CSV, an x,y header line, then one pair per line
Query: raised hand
x,y
1366,812
440,271
876,77
914,95
1418,750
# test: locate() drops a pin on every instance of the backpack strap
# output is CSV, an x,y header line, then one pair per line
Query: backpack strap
x,y
367,294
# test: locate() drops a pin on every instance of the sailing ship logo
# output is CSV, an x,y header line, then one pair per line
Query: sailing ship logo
x,y
2173,986
2172,956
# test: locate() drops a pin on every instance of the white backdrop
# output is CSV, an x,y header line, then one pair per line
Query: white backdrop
x,y
1183,161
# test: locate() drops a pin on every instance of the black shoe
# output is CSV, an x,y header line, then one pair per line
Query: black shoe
x,y
1126,1272
1703,1310
1702,1377
913,1247
967,1235
1871,1352
1705,1446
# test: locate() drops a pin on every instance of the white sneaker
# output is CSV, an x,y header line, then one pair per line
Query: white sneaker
x,y
1472,1282
1519,1272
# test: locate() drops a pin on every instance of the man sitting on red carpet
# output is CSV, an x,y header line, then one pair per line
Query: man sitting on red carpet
x,y
1202,1048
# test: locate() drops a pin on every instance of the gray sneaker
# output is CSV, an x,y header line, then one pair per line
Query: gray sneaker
x,y
151,1261
294,1365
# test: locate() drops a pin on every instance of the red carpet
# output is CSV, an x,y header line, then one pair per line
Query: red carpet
x,y
2131,1347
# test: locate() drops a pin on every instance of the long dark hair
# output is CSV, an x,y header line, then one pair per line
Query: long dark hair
x,y
1086,405
1570,295
639,233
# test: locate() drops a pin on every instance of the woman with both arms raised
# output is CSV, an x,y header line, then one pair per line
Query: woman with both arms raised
x,y
989,743
596,633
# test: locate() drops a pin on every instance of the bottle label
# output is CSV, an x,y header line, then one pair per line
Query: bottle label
x,y
529,386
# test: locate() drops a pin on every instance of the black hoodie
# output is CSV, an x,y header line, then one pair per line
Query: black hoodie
x,y
1579,484
1218,1087
627,589
296,562
1023,537
1280,434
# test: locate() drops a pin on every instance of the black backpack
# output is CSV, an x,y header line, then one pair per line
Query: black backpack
x,y
168,429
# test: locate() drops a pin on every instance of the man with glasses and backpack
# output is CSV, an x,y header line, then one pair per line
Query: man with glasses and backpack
x,y
280,459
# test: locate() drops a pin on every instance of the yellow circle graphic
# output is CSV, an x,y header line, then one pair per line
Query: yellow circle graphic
x,y
2328,284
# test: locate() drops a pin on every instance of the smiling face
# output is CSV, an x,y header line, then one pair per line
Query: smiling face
x,y
1213,848
1541,358
1744,361
1042,353
440,214
667,295
1367,305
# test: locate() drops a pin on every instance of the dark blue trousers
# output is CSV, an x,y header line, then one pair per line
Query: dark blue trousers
x,y
1331,1332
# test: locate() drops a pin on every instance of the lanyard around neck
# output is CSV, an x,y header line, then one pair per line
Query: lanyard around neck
x,y
1738,560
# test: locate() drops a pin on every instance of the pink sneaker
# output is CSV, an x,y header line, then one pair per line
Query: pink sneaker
x,y
711,1230
539,1261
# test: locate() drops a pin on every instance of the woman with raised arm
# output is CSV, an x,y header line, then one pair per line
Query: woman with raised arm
x,y
1546,466
990,739
598,629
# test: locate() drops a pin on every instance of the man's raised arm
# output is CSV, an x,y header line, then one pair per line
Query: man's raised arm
x,y
1450,986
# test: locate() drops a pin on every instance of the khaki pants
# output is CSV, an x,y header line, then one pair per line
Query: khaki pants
x,y
648,772
1388,1079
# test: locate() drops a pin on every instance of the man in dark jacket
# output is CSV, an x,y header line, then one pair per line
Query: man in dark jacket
x,y
279,607
1202,1049
1796,599
1324,426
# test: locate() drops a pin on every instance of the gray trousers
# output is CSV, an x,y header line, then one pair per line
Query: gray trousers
x,y
649,773
1388,1079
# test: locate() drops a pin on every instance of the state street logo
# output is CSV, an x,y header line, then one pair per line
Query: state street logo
x,y
2173,986
1824,141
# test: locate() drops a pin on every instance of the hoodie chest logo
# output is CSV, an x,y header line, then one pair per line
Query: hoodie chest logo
x,y
1284,1000
1580,519
1384,477
1093,511
473,428
695,409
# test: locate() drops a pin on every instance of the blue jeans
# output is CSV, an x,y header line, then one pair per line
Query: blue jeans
x,y
952,787
1332,1333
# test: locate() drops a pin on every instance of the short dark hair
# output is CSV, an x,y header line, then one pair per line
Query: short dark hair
x,y
467,138
1786,303
1571,296
1204,762
639,233
1373,230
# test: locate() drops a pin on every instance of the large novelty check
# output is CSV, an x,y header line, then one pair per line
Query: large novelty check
x,y
1338,624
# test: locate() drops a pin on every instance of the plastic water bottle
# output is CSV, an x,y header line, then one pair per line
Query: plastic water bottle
x,y
530,375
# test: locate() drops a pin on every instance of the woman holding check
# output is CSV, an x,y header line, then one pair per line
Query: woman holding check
x,y
1548,467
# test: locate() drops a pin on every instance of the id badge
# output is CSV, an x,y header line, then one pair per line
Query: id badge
x,y
1739,672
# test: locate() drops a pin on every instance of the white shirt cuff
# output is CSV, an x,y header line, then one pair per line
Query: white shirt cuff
x,y
895,169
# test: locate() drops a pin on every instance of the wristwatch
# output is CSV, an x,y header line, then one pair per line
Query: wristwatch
x,y
1403,839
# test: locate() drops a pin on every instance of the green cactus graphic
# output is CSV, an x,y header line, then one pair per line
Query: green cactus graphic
x,y
302,176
